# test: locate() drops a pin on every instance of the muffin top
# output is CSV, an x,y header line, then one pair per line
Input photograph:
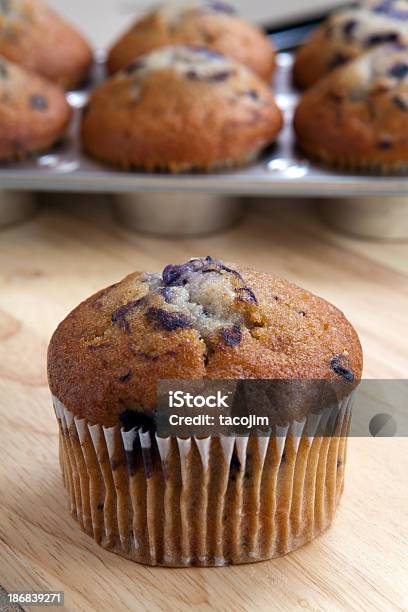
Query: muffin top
x,y
34,36
179,108
33,111
206,23
348,33
363,107
201,319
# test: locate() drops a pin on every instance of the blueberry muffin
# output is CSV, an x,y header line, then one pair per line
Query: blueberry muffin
x,y
357,117
178,109
35,37
349,33
199,501
205,23
34,113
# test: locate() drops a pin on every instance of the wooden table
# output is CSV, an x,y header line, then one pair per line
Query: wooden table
x,y
68,251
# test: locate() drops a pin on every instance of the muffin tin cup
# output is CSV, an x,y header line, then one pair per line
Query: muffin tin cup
x,y
176,214
15,207
370,217
203,502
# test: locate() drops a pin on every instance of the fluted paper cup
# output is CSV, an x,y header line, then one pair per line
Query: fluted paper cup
x,y
203,502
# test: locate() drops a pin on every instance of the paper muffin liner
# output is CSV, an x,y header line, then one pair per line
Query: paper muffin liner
x,y
354,164
203,502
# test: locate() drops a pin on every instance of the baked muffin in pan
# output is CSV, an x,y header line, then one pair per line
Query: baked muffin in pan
x,y
180,109
34,36
347,34
206,23
357,117
34,113
178,501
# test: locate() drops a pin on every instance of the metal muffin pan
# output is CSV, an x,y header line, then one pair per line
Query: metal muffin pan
x,y
281,170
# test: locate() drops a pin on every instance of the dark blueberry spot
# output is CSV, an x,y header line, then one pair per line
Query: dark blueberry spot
x,y
101,506
251,93
339,463
119,316
192,75
169,321
339,365
166,294
337,60
349,27
400,103
246,294
134,66
382,38
126,377
221,7
176,275
38,102
302,313
141,420
385,143
399,71
218,77
231,336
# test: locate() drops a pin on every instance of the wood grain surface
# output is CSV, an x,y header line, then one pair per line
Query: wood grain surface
x,y
73,248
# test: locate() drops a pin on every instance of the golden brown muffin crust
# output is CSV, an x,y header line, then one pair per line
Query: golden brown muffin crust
x,y
34,36
34,113
209,24
108,355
